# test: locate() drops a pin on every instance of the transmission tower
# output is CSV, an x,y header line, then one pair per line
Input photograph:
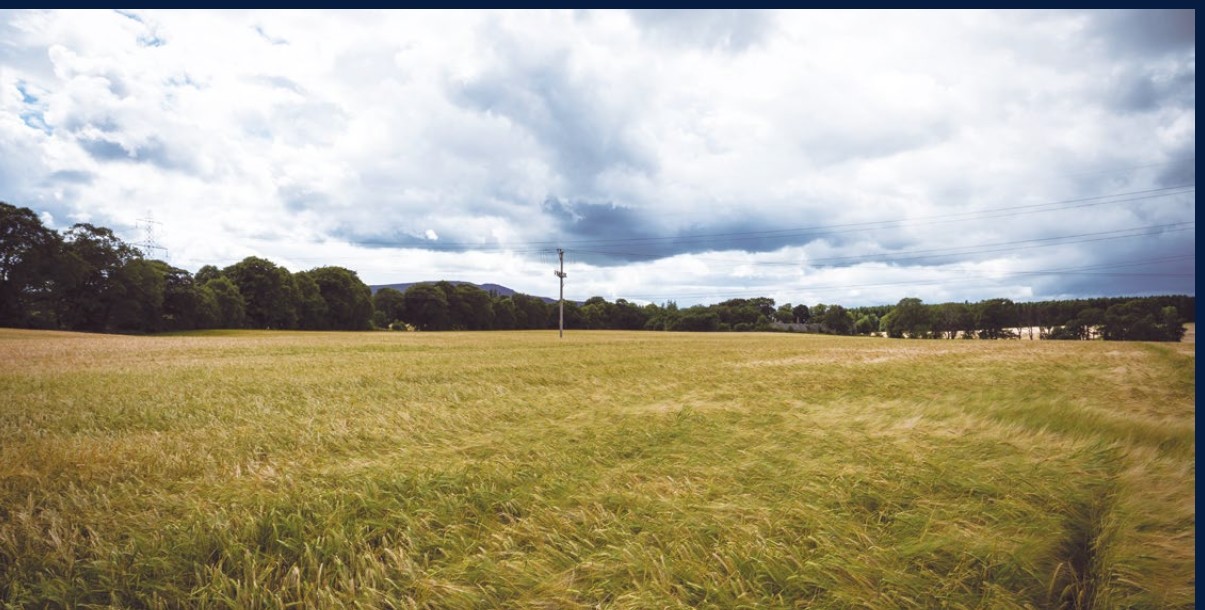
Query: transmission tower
x,y
149,244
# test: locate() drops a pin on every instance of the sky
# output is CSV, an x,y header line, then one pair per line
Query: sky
x,y
851,157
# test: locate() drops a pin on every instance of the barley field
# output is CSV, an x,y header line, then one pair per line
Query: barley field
x,y
245,469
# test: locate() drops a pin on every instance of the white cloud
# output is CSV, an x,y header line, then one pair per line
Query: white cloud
x,y
318,138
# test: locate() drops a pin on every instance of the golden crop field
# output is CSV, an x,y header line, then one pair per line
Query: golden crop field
x,y
606,469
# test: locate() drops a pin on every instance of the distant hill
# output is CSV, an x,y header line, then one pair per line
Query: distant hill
x,y
496,289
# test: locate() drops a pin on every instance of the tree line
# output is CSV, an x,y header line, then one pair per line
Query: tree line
x,y
88,279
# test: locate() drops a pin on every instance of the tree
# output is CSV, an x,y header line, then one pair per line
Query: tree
x,y
90,285
1142,320
29,258
206,273
596,313
348,299
910,318
390,303
628,316
867,324
697,319
530,312
837,320
996,318
268,291
801,313
231,307
137,289
186,305
783,314
950,318
504,313
427,307
472,308
312,312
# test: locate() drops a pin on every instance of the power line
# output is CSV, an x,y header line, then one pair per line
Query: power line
x,y
989,213
927,282
1143,231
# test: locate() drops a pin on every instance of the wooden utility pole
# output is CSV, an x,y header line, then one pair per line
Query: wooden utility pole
x,y
561,274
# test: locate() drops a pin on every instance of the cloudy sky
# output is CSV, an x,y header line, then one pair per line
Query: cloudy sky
x,y
837,157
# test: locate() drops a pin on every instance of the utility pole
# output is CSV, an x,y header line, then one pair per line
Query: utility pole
x,y
561,274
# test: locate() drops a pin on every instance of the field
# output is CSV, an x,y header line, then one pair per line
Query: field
x,y
608,469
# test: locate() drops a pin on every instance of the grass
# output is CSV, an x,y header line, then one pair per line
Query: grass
x,y
607,469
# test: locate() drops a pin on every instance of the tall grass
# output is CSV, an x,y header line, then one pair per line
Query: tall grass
x,y
608,469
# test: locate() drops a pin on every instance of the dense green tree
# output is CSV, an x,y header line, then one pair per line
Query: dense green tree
x,y
348,299
802,314
837,320
91,285
995,319
206,273
783,314
596,313
427,307
910,318
867,324
30,255
628,316
137,290
504,313
696,319
531,312
312,311
1142,320
268,291
390,303
472,308
231,307
186,306
951,318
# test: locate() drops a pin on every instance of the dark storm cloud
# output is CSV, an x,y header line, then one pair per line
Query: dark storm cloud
x,y
725,29
1147,265
607,234
1149,89
1147,32
584,138
1180,172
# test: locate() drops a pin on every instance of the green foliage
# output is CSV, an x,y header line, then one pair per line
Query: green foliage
x,y
347,300
426,307
867,324
837,320
995,318
93,285
802,314
390,303
696,319
268,290
229,302
910,318
1140,320
531,312
29,258
312,310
